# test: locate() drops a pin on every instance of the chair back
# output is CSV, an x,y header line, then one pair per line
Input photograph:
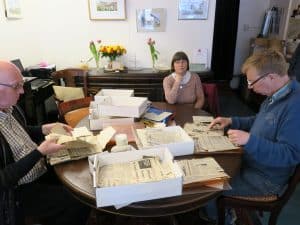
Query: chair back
x,y
71,112
70,76
212,98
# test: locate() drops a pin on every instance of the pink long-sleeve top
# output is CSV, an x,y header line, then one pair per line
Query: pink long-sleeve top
x,y
183,93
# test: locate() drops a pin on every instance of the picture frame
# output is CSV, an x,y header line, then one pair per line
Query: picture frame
x,y
107,9
151,20
193,9
13,9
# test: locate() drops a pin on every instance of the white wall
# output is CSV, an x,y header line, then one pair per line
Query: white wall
x,y
59,32
251,17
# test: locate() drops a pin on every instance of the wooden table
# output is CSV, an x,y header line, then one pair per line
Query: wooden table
x,y
76,177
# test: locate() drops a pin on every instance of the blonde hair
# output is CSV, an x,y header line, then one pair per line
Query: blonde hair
x,y
267,61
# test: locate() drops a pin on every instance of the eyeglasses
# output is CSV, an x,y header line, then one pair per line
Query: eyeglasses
x,y
14,86
251,83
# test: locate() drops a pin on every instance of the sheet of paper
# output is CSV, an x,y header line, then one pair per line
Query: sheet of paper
x,y
201,170
81,132
139,171
155,136
58,129
105,135
213,143
202,119
195,130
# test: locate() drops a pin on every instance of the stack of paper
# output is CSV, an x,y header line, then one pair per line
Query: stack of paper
x,y
205,139
125,177
202,171
80,144
173,137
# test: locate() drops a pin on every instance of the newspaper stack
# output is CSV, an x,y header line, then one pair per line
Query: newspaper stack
x,y
148,169
207,140
79,144
202,171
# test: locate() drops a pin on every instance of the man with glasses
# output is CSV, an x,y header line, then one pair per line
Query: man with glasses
x,y
270,139
24,187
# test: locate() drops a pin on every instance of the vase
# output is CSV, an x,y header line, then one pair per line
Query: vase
x,y
110,65
153,66
97,64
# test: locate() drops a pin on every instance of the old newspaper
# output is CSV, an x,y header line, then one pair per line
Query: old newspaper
x,y
148,169
201,171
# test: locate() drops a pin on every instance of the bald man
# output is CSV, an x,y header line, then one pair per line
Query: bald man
x,y
23,170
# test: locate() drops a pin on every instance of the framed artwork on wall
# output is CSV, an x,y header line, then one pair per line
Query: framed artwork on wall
x,y
151,20
107,9
13,9
193,9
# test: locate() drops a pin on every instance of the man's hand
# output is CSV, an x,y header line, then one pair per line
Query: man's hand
x,y
221,121
49,146
46,128
238,137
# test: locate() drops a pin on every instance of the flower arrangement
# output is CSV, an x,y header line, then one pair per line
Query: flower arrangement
x,y
154,53
96,53
112,51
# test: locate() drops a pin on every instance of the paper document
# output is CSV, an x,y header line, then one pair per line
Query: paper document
x,y
79,144
202,119
138,171
201,170
195,130
213,143
155,136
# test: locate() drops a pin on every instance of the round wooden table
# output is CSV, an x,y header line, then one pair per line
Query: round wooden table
x,y
76,177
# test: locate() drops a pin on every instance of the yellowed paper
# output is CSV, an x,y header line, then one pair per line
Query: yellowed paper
x,y
138,171
213,143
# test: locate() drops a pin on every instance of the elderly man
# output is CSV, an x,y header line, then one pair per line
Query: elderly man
x,y
271,138
23,190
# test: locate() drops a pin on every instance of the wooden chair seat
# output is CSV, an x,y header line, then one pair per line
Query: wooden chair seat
x,y
268,198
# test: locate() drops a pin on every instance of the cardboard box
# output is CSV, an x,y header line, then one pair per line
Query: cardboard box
x,y
183,147
123,106
114,92
125,194
100,123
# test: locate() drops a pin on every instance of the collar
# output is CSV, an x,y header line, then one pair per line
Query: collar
x,y
186,77
282,92
5,114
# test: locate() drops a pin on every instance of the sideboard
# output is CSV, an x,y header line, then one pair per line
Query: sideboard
x,y
145,82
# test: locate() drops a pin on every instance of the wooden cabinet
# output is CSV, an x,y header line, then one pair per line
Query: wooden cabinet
x,y
146,83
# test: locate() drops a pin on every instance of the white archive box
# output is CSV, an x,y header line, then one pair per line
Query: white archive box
x,y
123,106
125,194
115,92
98,124
173,137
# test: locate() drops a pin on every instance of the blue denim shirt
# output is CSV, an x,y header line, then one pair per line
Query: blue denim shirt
x,y
273,149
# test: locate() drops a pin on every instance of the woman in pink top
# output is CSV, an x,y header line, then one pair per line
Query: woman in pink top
x,y
182,86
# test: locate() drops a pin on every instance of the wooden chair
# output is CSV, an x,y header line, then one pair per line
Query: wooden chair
x,y
69,77
211,98
272,204
71,112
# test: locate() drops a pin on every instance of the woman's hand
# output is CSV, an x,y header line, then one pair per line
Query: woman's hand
x,y
221,121
238,137
46,128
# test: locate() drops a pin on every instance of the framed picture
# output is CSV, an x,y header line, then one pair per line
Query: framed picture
x,y
107,9
193,9
13,9
148,20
